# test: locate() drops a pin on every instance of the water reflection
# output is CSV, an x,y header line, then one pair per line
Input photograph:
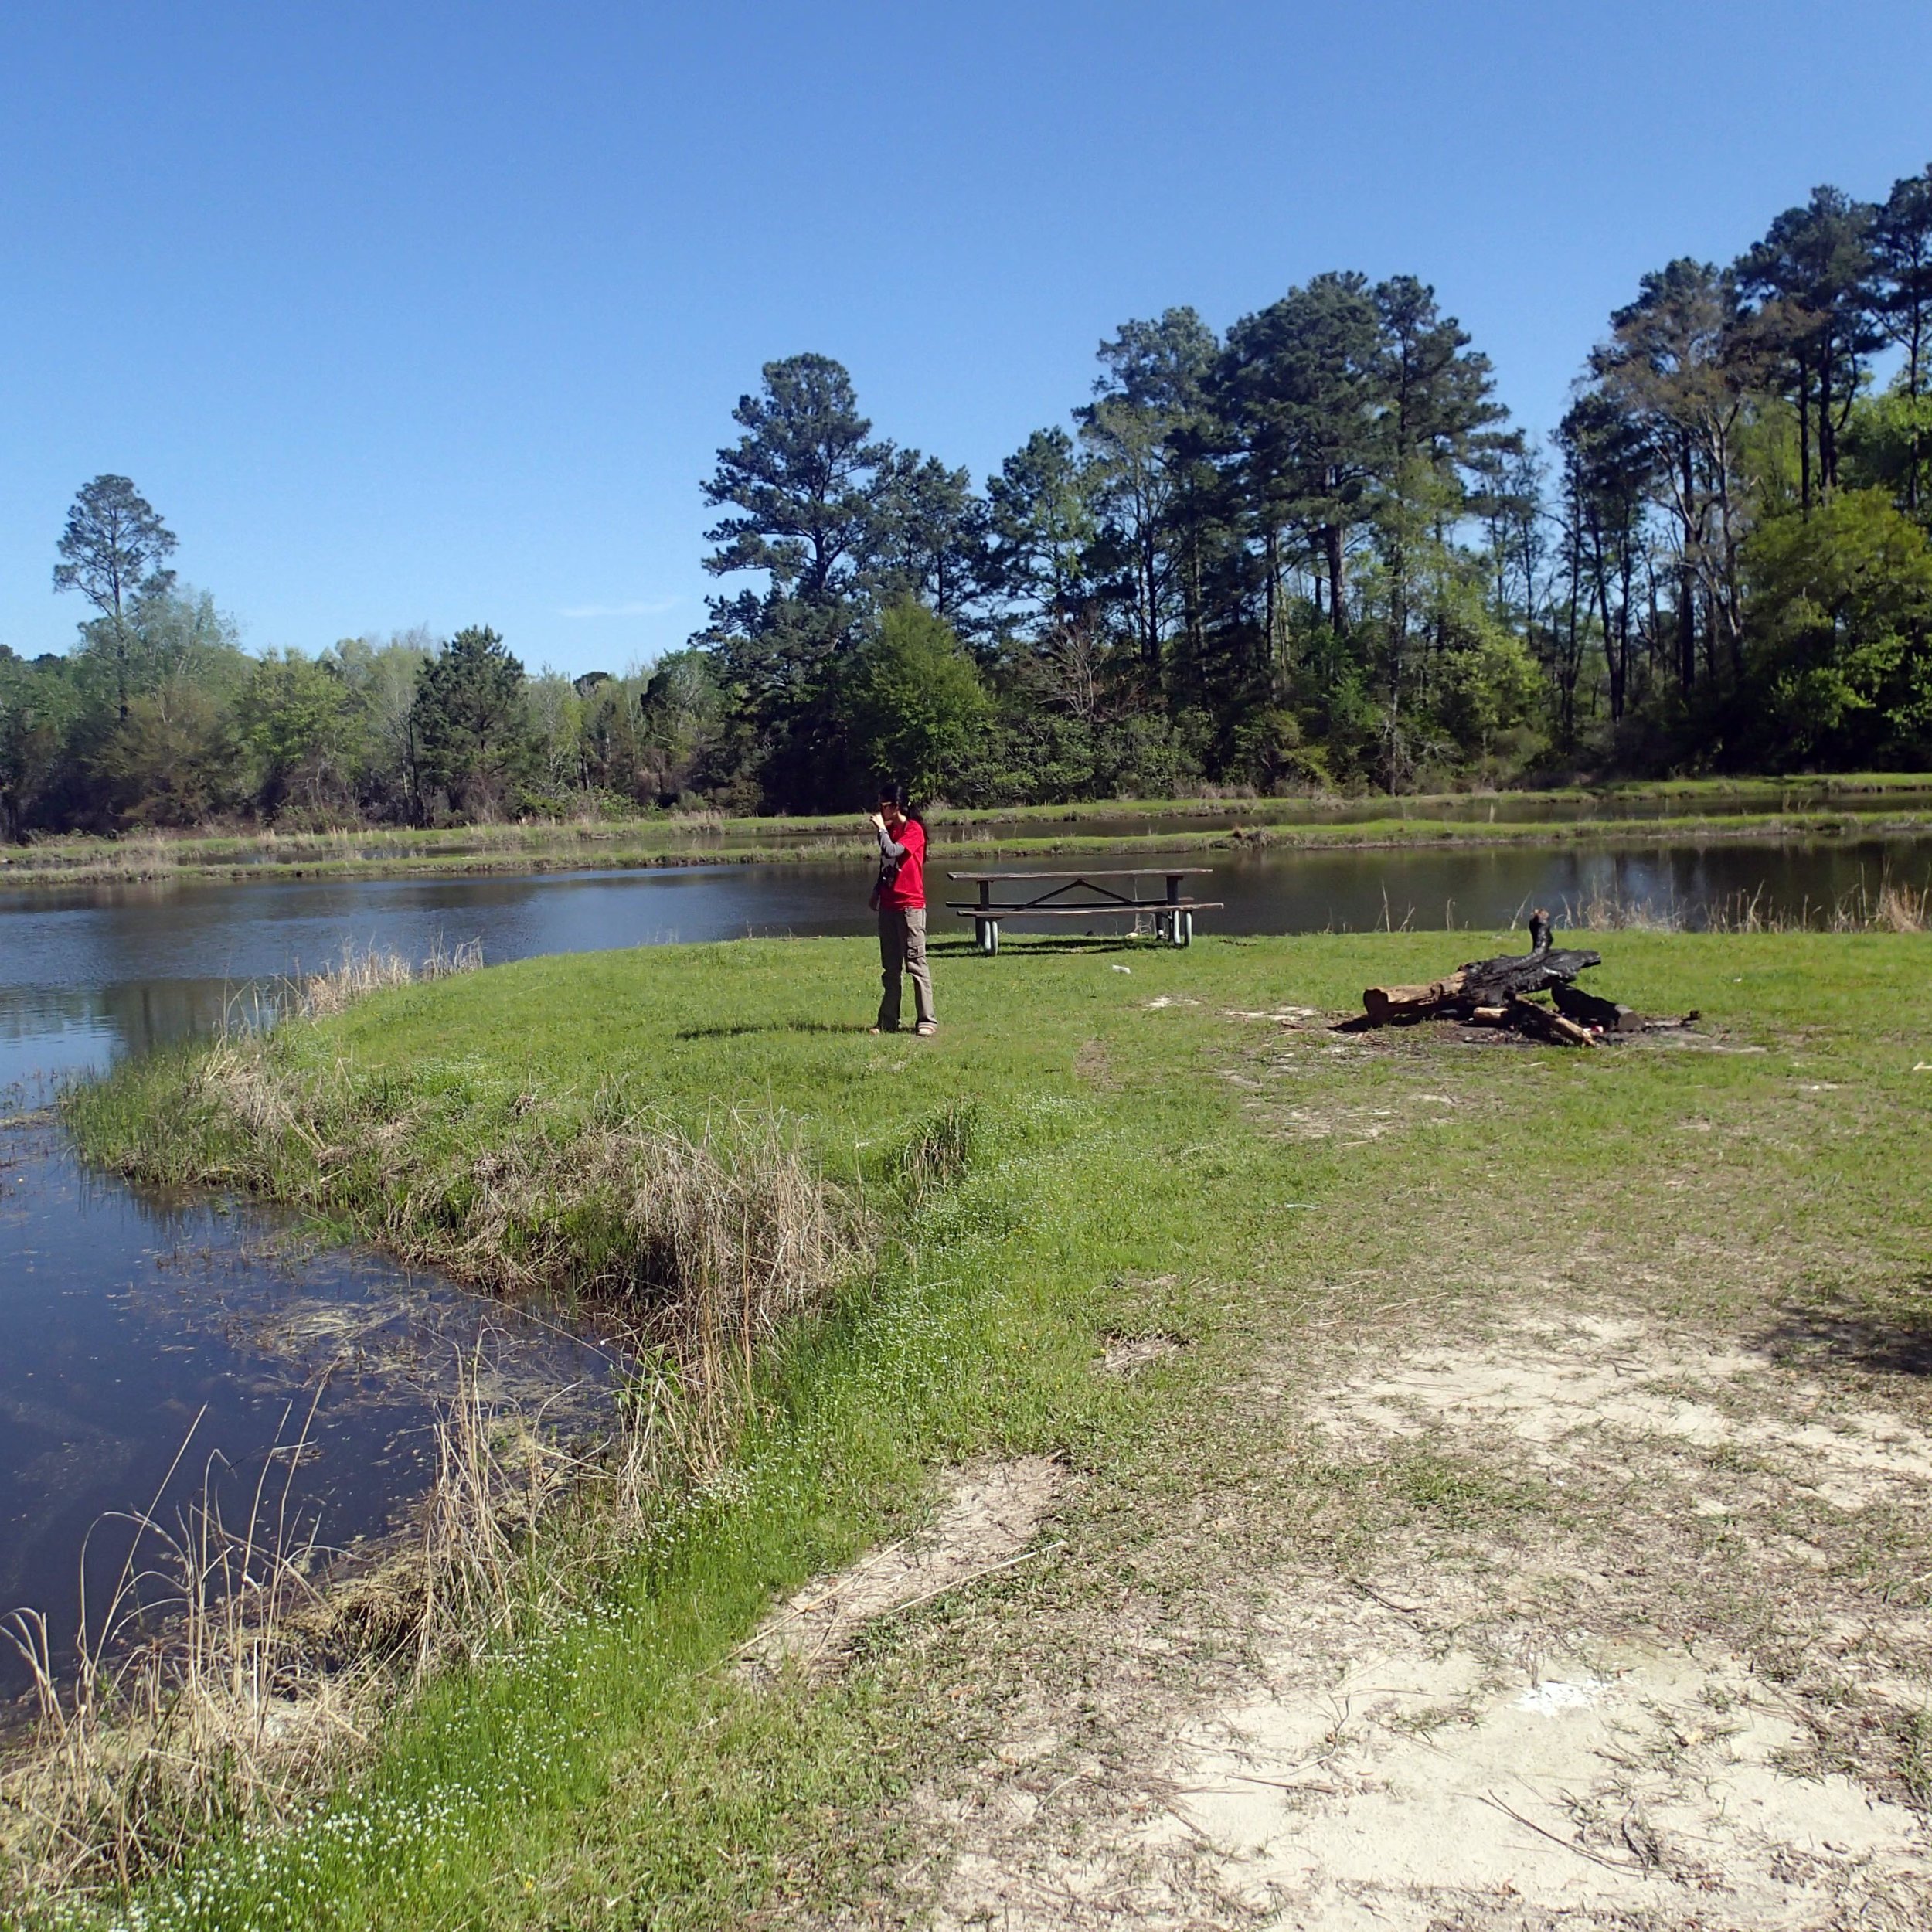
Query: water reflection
x,y
1488,887
47,1032
133,1320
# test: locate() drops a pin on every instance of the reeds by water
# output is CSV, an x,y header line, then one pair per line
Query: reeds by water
x,y
376,970
1890,907
230,1678
191,1701
258,1683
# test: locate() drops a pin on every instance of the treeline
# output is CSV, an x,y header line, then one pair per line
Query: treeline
x,y
1311,552
158,717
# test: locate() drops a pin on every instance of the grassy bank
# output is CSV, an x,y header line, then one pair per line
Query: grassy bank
x,y
1084,1152
1693,809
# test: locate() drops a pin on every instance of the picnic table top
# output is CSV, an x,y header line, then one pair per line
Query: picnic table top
x,y
1086,909
1127,872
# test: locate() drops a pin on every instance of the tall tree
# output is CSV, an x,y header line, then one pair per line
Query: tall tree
x,y
1811,276
1673,364
1902,257
1610,465
927,539
112,551
1507,497
798,482
471,721
1441,396
1302,383
1041,530
1143,432
1444,428
802,488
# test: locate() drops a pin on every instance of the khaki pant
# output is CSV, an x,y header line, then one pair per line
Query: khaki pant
x,y
902,949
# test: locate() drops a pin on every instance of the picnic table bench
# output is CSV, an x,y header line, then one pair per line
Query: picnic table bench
x,y
1173,911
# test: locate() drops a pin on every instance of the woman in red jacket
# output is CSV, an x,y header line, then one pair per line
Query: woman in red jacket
x,y
900,898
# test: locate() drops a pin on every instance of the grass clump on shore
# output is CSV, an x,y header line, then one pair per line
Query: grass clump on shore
x,y
1174,1149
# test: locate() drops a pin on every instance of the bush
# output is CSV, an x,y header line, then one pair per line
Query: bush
x,y
915,707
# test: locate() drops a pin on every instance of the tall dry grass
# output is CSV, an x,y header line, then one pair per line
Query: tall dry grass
x,y
192,1699
376,970
1903,909
230,1677
1888,906
702,1243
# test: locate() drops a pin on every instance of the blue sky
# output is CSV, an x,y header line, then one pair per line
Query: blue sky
x,y
436,314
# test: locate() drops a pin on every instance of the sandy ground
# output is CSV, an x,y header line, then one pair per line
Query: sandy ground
x,y
988,1524
1655,1701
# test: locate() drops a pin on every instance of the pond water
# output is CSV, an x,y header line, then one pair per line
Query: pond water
x,y
125,1317
157,1351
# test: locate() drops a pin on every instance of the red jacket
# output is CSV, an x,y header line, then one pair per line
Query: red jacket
x,y
908,889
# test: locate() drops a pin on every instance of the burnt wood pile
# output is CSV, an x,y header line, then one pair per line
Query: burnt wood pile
x,y
1501,992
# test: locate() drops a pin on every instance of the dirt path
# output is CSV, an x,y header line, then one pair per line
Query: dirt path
x,y
1654,1708
1656,1652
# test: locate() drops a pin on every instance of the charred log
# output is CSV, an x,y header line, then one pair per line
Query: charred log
x,y
1588,1010
1544,1023
1384,1005
1481,983
1490,982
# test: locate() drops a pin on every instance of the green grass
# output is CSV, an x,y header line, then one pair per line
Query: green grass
x,y
1705,809
1128,1153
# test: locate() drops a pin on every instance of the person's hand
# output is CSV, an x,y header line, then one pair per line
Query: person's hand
x,y
876,821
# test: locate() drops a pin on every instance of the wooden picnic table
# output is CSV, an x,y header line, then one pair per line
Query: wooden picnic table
x,y
1173,911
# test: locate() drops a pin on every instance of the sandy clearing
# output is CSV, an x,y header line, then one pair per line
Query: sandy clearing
x,y
1402,1785
1413,1785
1547,1383
1418,1748
993,1510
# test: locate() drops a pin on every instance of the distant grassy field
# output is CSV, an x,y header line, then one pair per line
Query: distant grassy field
x,y
1694,808
1144,1141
